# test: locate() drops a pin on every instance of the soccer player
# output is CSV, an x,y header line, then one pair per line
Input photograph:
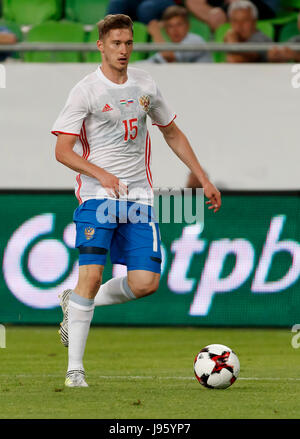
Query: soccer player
x,y
102,135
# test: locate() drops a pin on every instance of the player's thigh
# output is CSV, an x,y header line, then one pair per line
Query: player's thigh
x,y
93,238
89,280
143,282
137,245
94,232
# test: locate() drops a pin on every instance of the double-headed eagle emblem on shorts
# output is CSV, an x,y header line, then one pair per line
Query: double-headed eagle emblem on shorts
x,y
89,232
144,102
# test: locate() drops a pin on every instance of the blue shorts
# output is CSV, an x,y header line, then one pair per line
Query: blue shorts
x,y
128,229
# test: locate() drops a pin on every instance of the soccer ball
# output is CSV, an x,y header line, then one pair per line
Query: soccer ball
x,y
216,366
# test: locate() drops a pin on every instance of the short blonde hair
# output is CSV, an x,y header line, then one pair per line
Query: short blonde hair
x,y
117,21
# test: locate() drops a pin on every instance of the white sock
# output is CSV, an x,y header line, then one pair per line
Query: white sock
x,y
80,315
114,291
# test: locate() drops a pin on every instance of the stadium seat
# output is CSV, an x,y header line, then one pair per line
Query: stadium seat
x,y
140,36
288,31
93,56
263,26
289,4
282,18
200,28
31,12
86,11
53,32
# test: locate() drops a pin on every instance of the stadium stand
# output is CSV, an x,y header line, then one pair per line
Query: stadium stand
x,y
86,11
290,4
55,32
74,21
264,26
31,12
200,28
288,31
14,27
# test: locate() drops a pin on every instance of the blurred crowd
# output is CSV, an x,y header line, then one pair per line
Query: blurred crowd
x,y
229,21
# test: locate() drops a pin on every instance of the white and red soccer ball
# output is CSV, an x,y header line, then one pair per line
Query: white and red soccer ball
x,y
216,366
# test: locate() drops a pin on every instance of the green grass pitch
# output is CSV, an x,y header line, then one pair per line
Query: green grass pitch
x,y
137,373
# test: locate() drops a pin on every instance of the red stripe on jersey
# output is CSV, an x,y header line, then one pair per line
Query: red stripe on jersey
x,y
85,154
165,126
146,150
79,182
84,148
146,159
62,132
149,157
86,141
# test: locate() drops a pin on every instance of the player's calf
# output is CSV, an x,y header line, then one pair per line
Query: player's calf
x,y
89,281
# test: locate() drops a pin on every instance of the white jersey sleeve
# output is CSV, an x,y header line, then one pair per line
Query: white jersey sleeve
x,y
73,114
160,112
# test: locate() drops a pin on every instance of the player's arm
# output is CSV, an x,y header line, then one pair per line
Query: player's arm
x,y
180,145
64,154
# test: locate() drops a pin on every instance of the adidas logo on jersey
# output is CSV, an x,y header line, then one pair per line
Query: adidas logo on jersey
x,y
106,108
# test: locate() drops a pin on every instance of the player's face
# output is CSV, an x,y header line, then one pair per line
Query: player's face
x,y
243,23
116,48
176,28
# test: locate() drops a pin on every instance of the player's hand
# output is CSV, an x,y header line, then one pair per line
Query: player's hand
x,y
112,184
214,196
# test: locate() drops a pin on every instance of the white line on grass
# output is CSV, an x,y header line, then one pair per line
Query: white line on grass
x,y
141,377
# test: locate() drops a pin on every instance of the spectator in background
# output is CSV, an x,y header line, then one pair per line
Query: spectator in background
x,y
285,54
6,37
243,15
214,12
176,24
140,10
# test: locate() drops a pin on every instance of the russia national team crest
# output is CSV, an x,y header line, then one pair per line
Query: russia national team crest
x,y
144,102
89,232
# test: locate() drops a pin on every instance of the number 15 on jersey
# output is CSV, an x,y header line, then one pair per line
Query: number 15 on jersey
x,y
131,129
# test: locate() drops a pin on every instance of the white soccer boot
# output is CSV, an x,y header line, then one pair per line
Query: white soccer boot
x,y
76,378
63,330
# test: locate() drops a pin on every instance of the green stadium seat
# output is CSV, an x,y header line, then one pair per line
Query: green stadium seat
x,y
289,4
86,11
288,31
263,26
31,12
140,36
94,57
200,28
55,32
282,18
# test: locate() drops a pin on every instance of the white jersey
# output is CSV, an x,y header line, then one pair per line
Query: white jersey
x,y
110,122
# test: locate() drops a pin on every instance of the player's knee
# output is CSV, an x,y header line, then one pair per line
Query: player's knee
x,y
145,288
